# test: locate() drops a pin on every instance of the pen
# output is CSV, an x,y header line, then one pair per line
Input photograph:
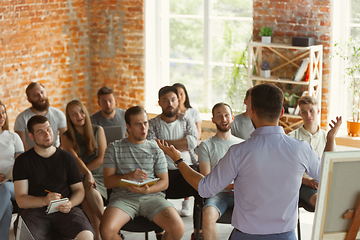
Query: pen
x,y
51,192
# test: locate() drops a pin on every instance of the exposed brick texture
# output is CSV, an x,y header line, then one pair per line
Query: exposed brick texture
x,y
290,18
73,47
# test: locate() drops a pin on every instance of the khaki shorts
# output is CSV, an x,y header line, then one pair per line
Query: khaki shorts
x,y
146,205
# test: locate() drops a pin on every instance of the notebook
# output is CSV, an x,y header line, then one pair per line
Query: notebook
x,y
54,203
23,232
114,133
124,182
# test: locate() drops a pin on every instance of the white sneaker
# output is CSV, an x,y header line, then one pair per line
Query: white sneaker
x,y
185,210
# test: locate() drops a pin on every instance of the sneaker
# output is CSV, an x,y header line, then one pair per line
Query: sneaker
x,y
193,236
159,236
121,235
185,209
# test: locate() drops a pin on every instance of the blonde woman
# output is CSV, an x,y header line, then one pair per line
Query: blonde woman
x,y
11,146
87,143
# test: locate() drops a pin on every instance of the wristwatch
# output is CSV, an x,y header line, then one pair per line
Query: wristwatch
x,y
178,161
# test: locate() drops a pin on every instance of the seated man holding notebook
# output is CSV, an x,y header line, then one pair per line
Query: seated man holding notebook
x,y
43,175
135,158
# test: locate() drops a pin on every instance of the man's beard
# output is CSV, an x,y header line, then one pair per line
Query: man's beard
x,y
109,112
41,107
170,114
44,145
222,129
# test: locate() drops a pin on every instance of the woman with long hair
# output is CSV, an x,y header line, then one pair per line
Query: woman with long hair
x,y
193,114
11,147
87,143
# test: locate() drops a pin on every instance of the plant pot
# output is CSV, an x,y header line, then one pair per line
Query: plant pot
x,y
264,73
353,128
291,110
266,39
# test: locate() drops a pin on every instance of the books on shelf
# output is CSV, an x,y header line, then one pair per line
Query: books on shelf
x,y
299,74
124,182
54,203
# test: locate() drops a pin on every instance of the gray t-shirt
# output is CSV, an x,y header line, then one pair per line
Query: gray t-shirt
x,y
127,156
242,126
56,118
213,149
117,121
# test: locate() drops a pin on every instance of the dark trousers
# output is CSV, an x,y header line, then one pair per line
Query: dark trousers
x,y
180,188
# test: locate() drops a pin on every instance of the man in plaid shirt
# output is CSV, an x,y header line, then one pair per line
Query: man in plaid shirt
x,y
182,133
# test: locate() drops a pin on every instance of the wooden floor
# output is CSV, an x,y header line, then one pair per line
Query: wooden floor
x,y
224,230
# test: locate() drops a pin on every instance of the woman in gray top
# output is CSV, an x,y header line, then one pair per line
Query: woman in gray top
x,y
87,143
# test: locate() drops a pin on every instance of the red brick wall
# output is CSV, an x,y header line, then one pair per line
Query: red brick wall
x,y
49,41
290,18
118,50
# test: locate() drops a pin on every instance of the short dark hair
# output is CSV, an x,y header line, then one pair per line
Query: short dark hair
x,y
308,100
219,105
105,91
187,100
267,101
31,86
37,119
248,92
167,89
135,110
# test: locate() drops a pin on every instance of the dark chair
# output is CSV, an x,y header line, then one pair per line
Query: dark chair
x,y
141,224
307,207
226,217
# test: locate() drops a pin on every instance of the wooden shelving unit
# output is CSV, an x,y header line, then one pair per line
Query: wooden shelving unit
x,y
313,86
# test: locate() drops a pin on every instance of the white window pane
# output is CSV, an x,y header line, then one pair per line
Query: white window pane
x,y
232,8
186,39
189,7
355,11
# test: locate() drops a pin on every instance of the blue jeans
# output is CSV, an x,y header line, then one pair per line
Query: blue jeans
x,y
220,202
6,194
237,235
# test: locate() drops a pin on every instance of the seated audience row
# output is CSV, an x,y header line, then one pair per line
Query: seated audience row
x,y
134,158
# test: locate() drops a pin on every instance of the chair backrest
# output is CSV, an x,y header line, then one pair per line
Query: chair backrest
x,y
226,217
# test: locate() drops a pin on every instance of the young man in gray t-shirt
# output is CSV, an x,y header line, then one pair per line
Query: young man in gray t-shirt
x,y
210,152
109,116
136,158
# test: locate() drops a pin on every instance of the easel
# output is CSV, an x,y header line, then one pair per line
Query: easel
x,y
355,224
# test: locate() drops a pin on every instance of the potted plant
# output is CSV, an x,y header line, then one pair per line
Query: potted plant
x,y
349,51
265,69
291,101
265,33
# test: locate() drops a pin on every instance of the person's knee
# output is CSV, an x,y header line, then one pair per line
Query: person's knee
x,y
210,216
85,235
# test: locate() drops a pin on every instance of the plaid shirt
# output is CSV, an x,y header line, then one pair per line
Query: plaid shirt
x,y
187,126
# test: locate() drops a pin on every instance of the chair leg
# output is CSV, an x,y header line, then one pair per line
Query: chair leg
x,y
298,226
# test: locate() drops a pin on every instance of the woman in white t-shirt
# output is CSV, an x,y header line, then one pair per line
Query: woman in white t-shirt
x,y
11,146
194,115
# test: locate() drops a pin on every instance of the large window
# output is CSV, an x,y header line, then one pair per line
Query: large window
x,y
195,42
345,25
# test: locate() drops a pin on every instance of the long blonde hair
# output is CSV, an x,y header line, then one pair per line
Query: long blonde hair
x,y
6,123
88,136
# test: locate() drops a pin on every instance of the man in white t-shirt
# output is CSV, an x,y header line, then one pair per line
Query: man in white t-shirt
x,y
40,105
242,126
182,133
210,152
313,134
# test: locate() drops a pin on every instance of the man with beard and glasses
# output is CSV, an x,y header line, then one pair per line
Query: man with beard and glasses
x,y
46,173
182,133
109,116
36,95
210,152
266,169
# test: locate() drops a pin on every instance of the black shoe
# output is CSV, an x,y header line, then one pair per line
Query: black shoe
x,y
159,236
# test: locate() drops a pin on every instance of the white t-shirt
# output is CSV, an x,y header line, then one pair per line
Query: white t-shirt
x,y
193,114
174,131
10,144
56,118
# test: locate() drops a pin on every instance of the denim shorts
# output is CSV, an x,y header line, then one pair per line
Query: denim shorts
x,y
220,201
237,235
